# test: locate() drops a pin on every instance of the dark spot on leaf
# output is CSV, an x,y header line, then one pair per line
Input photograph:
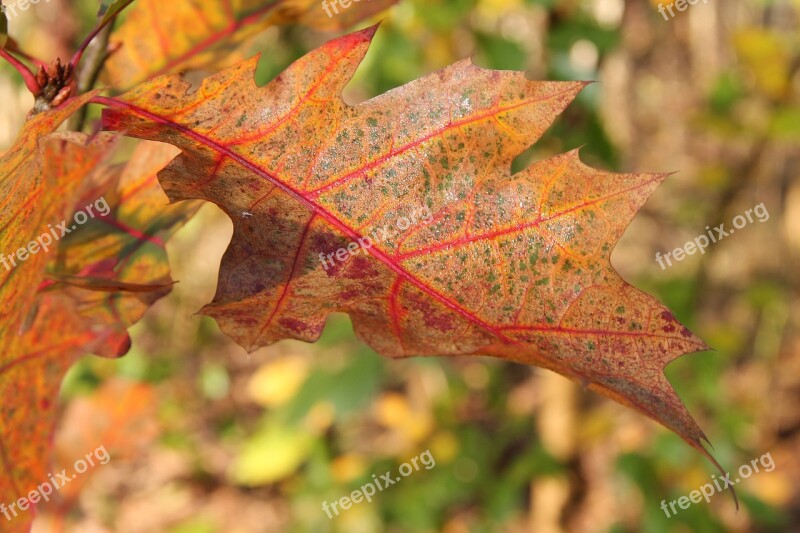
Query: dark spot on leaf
x,y
361,267
292,324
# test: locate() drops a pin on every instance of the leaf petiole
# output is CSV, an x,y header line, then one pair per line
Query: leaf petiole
x,y
27,75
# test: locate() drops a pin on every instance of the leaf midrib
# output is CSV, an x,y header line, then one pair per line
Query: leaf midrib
x,y
328,216
316,208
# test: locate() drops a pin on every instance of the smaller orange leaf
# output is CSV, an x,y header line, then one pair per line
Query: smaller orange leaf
x,y
160,38
31,198
119,250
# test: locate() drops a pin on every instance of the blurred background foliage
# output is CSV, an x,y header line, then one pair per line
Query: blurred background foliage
x,y
206,438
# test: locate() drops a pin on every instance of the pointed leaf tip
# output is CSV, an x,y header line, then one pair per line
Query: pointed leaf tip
x,y
463,257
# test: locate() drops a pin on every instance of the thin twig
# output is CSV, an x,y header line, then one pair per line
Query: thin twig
x,y
88,73
106,21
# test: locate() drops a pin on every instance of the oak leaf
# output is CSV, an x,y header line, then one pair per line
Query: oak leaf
x,y
33,196
511,266
76,297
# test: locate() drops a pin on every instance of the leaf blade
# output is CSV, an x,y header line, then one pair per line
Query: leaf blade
x,y
58,324
516,267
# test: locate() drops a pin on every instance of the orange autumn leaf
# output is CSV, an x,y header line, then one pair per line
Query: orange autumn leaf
x,y
116,266
120,416
483,263
201,34
30,367
31,199
115,422
72,299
